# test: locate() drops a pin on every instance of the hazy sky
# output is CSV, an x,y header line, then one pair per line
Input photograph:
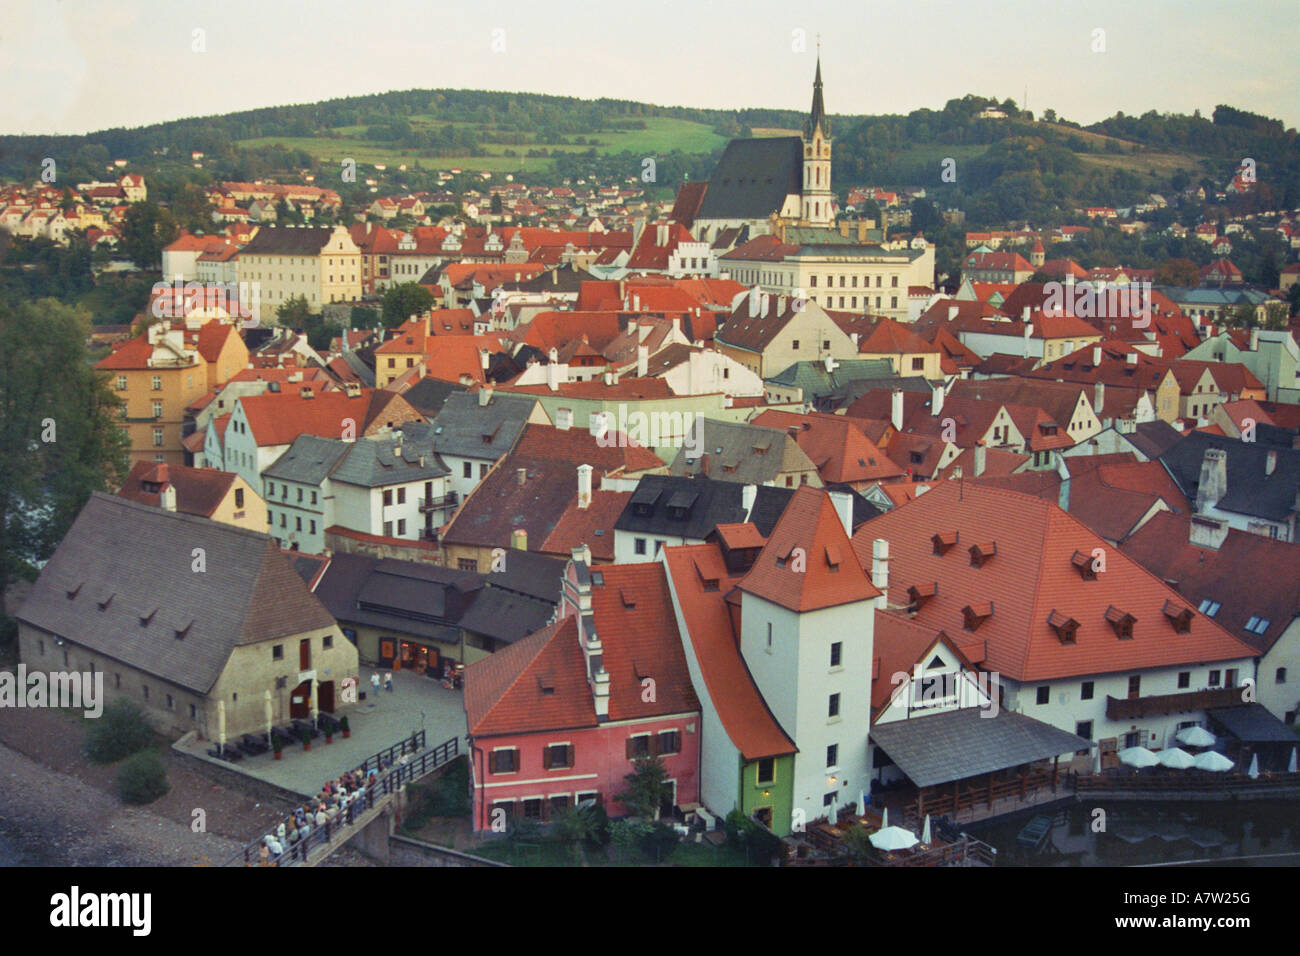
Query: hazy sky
x,y
72,66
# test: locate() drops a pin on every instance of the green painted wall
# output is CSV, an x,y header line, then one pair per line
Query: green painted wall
x,y
780,792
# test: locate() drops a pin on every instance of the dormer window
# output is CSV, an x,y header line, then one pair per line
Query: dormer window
x,y
942,542
976,614
1179,617
833,558
1209,607
981,553
1121,622
1064,626
919,594
1083,564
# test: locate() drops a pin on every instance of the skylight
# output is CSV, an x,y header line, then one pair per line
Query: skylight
x,y
1257,625
1210,607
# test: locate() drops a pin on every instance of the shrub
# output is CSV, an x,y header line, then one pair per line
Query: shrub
x,y
660,842
142,778
118,732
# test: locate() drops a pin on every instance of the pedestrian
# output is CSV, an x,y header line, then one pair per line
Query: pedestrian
x,y
320,816
264,855
388,682
279,832
374,682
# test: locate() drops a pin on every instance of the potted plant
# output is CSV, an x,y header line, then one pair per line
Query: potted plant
x,y
277,744
343,726
328,728
305,734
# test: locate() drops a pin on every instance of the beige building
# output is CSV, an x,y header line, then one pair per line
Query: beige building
x,y
217,495
202,627
769,333
319,264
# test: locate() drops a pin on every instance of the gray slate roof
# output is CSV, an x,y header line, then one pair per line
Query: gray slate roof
x,y
1250,490
753,177
367,462
282,241
727,451
941,748
462,424
1253,723
121,562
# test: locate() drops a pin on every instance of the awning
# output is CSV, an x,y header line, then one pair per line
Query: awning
x,y
1252,723
941,748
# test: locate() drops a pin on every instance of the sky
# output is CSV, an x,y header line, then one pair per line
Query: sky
x,y
75,66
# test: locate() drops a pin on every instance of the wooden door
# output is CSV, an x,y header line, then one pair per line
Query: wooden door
x,y
325,693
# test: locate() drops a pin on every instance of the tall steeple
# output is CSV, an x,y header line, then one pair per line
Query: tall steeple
x,y
817,201
818,113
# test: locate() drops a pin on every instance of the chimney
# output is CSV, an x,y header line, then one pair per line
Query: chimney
x,y
563,419
896,409
306,392
608,378
829,362
1098,397
519,539
1029,332
397,449
748,495
484,358
1254,340
521,475
1096,356
584,487
636,302
1270,462
642,361
1213,485
484,396
981,458
937,396
1025,314
880,567
553,375
843,502
168,497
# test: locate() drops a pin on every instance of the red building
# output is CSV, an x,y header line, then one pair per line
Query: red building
x,y
559,717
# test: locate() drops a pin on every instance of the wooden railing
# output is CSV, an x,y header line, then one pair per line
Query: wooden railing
x,y
1131,708
1182,781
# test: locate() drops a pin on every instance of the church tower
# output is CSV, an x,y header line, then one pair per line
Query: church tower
x,y
817,196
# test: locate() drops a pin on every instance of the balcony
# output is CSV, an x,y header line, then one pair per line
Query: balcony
x,y
448,500
429,534
1118,708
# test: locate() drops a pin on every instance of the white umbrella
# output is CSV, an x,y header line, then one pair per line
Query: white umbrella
x,y
1138,757
1195,736
1096,763
266,706
884,818
1291,767
1253,772
1212,760
862,803
221,725
893,838
925,831
832,814
315,712
1176,758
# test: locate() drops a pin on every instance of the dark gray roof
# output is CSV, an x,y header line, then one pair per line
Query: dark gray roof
x,y
715,503
387,460
462,425
309,460
1153,439
122,562
280,240
1253,723
1250,490
941,748
730,451
530,574
753,178
428,395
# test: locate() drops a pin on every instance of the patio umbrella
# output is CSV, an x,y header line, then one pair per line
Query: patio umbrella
x,y
1132,832
221,726
1176,759
1291,767
1170,830
1195,737
1138,757
1096,763
832,813
315,710
884,818
925,831
1253,772
893,838
1212,760
266,706
862,803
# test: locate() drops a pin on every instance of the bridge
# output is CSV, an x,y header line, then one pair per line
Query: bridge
x,y
369,813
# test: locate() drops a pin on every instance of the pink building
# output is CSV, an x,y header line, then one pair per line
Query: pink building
x,y
559,717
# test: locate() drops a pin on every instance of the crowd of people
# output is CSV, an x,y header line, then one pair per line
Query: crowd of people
x,y
338,803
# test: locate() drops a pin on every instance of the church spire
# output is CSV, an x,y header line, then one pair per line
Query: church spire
x,y
817,116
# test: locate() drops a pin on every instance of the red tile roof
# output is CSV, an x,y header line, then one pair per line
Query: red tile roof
x,y
279,418
199,491
592,526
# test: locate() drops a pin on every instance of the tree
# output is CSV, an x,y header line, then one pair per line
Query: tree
x,y
404,300
574,826
118,732
293,313
142,778
495,206
647,788
925,217
146,229
1181,272
363,317
60,434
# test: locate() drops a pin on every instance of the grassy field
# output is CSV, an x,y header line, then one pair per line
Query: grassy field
x,y
661,135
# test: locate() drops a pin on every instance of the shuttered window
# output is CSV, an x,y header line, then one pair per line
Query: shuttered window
x,y
503,761
639,746
557,755
670,742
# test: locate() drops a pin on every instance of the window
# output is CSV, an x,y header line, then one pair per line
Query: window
x,y
277,652
833,706
828,799
157,409
1184,679
239,498
1210,607
327,641
1044,694
639,546
557,756
638,746
171,704
468,470
298,523
795,345
1215,678
466,564
145,688
157,383
1135,685
918,364
766,766
121,383
503,761
769,637
313,527
833,755
1257,625
281,683
401,496
282,521
1280,676
837,650
401,527
388,499
157,437
313,497
194,712
388,529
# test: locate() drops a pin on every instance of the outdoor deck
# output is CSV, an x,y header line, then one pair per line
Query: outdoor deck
x,y
1188,785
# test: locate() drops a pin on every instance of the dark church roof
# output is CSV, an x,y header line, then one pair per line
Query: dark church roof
x,y
753,178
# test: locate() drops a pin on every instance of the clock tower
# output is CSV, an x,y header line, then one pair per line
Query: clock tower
x,y
817,198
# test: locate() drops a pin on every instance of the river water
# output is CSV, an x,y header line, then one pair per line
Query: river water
x,y
1229,833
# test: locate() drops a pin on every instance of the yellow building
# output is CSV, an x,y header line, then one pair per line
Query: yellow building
x,y
160,374
217,495
318,264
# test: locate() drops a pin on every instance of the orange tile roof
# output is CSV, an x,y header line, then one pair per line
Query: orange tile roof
x,y
701,583
1031,575
836,444
279,418
831,574
592,526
